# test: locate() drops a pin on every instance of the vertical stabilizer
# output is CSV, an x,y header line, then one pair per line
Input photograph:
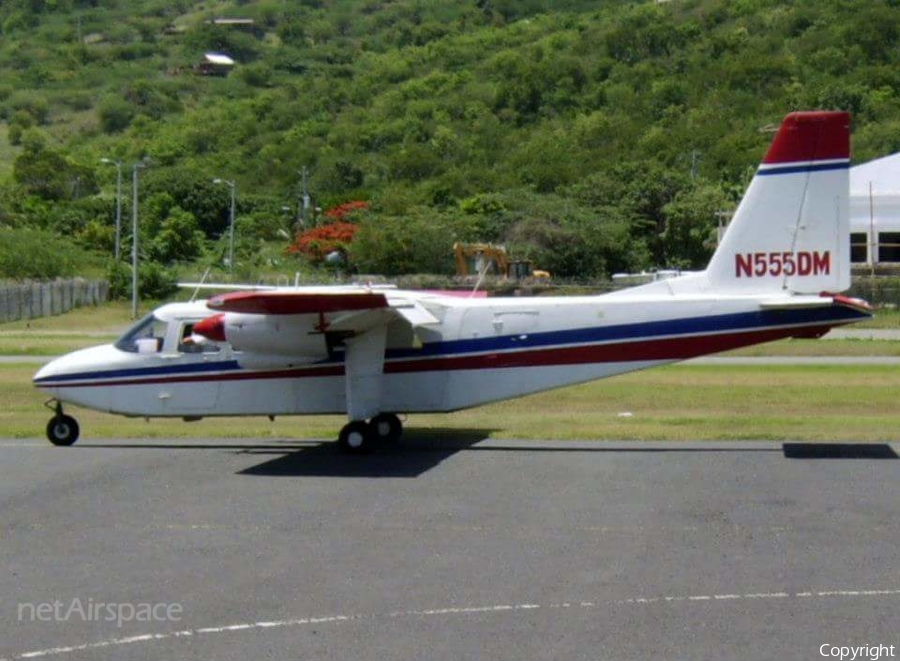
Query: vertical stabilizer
x,y
791,231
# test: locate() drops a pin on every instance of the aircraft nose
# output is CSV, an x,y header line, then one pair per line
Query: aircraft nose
x,y
47,373
73,366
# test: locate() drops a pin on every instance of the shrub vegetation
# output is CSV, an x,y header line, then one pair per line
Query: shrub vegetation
x,y
589,137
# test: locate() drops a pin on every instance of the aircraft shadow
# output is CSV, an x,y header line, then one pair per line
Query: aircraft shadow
x,y
419,451
423,449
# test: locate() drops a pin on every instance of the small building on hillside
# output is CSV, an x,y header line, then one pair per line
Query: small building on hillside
x,y
247,25
875,212
215,64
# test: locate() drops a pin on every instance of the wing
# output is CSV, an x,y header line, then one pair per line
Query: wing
x,y
296,302
286,328
284,302
322,302
303,326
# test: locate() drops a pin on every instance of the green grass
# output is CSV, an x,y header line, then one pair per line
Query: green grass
x,y
27,344
109,318
850,347
884,318
52,336
686,402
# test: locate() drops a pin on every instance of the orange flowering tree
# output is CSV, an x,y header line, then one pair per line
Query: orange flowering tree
x,y
318,242
345,211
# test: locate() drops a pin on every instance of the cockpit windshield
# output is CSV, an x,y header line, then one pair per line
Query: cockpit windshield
x,y
146,336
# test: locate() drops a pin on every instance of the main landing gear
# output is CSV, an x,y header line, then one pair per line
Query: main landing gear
x,y
62,429
358,436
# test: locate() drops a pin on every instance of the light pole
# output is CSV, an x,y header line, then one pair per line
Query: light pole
x,y
230,185
118,165
134,238
305,199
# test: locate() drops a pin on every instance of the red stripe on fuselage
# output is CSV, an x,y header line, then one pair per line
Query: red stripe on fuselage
x,y
675,348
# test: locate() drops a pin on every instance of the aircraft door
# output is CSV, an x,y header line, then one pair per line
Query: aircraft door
x,y
187,356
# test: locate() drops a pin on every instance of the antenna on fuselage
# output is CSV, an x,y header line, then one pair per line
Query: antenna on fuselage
x,y
200,284
484,270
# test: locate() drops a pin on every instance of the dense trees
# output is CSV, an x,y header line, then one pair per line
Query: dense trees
x,y
589,137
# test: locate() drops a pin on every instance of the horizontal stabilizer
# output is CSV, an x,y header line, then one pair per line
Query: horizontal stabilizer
x,y
796,303
823,300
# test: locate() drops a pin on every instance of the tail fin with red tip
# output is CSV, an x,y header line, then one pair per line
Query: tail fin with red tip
x,y
791,231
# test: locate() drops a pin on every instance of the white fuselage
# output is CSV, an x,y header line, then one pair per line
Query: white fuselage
x,y
475,351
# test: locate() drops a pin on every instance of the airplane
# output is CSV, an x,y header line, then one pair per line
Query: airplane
x,y
376,353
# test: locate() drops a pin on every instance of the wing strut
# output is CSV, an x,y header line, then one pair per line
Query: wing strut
x,y
364,369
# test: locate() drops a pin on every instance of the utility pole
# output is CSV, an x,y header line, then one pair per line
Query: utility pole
x,y
304,200
230,185
134,238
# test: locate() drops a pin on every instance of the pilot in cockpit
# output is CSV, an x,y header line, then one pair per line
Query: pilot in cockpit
x,y
188,342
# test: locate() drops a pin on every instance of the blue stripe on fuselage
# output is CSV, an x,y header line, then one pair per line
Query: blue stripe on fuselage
x,y
669,327
622,332
164,370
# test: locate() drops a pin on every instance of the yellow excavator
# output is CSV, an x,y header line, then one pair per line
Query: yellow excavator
x,y
475,258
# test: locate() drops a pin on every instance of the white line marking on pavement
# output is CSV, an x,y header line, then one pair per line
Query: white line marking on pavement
x,y
437,612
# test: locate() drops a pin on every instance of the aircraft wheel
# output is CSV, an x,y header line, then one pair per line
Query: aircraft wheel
x,y
62,430
355,437
386,427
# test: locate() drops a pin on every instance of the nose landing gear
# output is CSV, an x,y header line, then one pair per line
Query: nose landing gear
x,y
62,429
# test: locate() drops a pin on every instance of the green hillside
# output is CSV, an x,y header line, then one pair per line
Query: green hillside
x,y
592,137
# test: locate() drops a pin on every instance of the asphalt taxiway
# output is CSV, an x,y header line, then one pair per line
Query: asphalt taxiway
x,y
451,547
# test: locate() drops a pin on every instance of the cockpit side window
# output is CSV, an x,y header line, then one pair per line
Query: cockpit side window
x,y
190,343
146,336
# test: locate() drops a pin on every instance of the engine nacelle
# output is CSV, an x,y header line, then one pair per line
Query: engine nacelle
x,y
296,336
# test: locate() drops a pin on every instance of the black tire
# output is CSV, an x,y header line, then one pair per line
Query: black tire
x,y
355,437
62,430
386,428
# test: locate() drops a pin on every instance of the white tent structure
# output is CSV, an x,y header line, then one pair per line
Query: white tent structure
x,y
875,211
